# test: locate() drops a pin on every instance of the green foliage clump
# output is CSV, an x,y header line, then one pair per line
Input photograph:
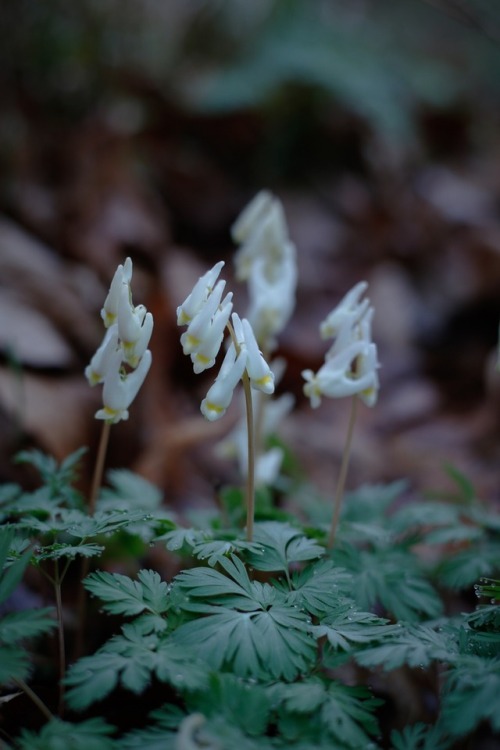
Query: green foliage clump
x,y
269,643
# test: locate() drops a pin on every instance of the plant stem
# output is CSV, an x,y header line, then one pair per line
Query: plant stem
x,y
62,653
339,492
250,489
99,466
34,697
251,456
96,484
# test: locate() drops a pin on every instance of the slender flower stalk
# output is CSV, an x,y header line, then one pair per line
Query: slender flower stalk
x,y
350,369
339,491
207,316
120,364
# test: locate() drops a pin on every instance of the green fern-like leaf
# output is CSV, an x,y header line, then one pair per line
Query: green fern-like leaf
x,y
130,660
92,734
318,588
463,569
414,645
19,626
419,737
390,577
282,545
14,664
344,713
471,696
123,596
260,643
346,628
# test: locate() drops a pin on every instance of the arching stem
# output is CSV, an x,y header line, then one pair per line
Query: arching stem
x,y
339,492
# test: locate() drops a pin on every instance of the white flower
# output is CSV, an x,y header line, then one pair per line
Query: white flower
x,y
135,327
259,372
205,353
347,313
199,295
250,216
266,259
122,277
220,395
120,388
350,366
199,326
102,359
272,302
126,340
337,377
265,237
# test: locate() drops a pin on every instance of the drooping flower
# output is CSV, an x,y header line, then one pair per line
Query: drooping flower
x,y
198,296
220,394
266,259
121,388
135,327
350,367
101,361
122,361
122,276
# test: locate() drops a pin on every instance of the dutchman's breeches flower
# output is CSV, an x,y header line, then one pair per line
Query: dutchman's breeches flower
x,y
122,277
103,358
347,313
204,356
259,372
338,377
120,389
272,302
123,360
351,364
199,326
220,395
198,296
135,327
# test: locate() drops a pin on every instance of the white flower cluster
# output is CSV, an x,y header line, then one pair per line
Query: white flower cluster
x,y
266,259
123,359
206,316
351,363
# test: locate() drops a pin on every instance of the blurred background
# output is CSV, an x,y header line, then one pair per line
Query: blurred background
x,y
143,127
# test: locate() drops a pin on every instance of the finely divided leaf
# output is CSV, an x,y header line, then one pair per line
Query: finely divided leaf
x,y
414,645
130,660
123,596
347,628
282,545
57,551
29,623
12,575
318,588
91,734
260,643
14,664
471,696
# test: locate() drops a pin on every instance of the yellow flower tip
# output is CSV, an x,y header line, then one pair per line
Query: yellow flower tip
x,y
94,377
266,383
189,343
108,318
202,359
212,411
214,407
183,319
